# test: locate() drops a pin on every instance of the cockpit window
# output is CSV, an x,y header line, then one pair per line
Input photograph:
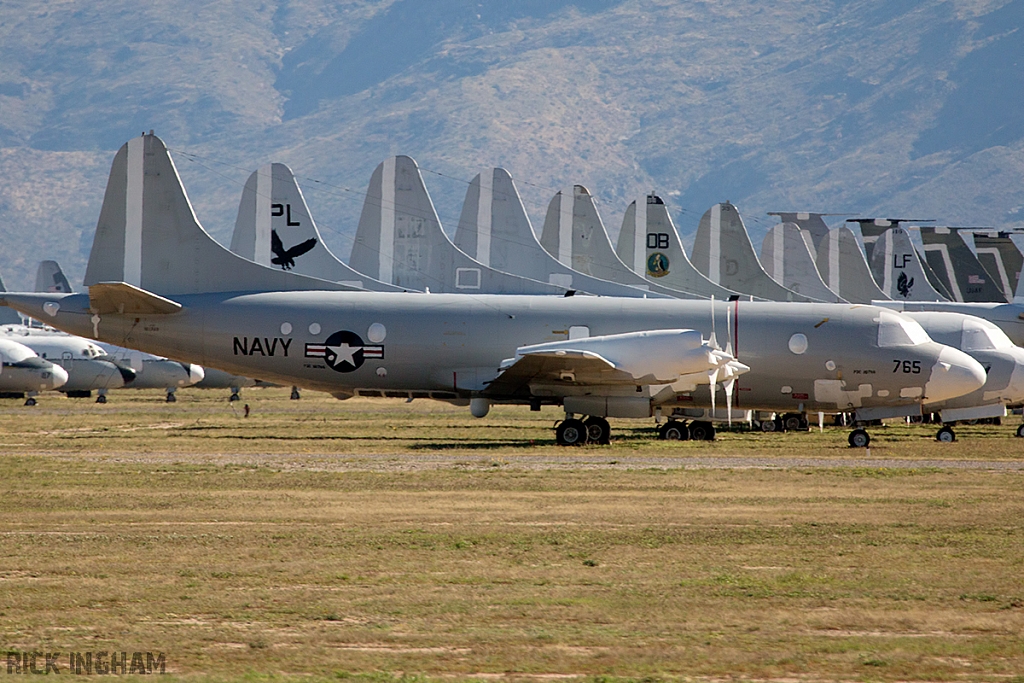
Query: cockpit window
x,y
895,330
979,337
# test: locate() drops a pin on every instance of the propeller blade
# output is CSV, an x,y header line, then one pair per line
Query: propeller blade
x,y
729,383
713,376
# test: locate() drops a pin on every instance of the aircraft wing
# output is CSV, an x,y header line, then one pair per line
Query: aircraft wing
x,y
563,366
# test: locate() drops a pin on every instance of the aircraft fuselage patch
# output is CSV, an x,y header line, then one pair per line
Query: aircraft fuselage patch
x,y
344,351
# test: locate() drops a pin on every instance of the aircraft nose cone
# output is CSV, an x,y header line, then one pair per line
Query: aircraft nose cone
x,y
196,374
954,374
58,376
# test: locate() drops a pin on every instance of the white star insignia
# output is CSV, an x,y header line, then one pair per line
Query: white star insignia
x,y
344,353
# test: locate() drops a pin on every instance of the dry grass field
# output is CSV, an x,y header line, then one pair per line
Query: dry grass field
x,y
381,541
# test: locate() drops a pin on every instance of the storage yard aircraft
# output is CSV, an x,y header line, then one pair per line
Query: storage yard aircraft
x,y
158,283
23,372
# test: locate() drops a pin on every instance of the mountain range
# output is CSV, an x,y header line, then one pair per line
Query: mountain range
x,y
894,108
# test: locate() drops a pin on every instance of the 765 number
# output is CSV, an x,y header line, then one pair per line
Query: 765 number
x,y
910,367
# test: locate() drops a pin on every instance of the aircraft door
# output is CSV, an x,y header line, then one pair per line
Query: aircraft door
x,y
579,332
65,360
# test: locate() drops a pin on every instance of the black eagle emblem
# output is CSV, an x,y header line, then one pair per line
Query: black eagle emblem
x,y
286,257
904,285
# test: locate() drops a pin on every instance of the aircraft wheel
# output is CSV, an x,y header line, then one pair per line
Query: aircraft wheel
x,y
859,439
234,397
702,431
101,398
571,432
1020,431
674,430
295,394
769,426
598,430
793,422
31,402
171,398
946,434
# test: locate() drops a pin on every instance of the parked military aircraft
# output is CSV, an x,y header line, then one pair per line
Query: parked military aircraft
x,y
400,240
272,214
722,251
787,258
957,267
895,264
1001,258
650,245
495,230
23,372
628,357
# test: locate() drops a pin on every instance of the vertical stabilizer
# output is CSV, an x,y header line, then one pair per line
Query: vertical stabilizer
x,y
871,229
495,230
276,229
722,251
811,224
148,235
1001,259
649,244
897,269
786,255
959,269
575,235
50,278
400,241
843,268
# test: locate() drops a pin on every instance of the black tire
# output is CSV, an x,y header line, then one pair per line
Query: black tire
x,y
1020,432
571,432
673,430
171,398
793,422
32,402
234,397
101,399
598,430
295,394
769,426
859,439
702,431
946,434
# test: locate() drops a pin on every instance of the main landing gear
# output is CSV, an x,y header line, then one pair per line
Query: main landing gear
x,y
859,438
946,434
678,430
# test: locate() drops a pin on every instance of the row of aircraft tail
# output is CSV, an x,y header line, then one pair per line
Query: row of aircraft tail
x,y
400,245
566,318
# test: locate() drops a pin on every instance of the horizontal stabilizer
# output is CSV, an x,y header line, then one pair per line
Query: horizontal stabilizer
x,y
649,244
722,251
495,230
125,299
786,255
843,268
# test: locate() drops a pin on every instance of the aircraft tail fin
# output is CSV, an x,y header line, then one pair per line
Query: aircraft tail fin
x,y
843,268
575,235
649,244
495,230
898,270
722,251
400,241
1001,259
786,255
148,235
50,278
811,224
275,228
958,268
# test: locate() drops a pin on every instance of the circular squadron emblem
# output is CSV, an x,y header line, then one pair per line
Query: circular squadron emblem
x,y
657,264
344,351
